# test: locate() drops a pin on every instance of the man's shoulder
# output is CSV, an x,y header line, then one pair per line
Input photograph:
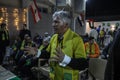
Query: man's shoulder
x,y
54,36
77,37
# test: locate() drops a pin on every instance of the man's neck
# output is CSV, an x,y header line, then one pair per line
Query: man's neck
x,y
60,36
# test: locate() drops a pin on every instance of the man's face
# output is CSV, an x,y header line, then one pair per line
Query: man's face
x,y
28,39
58,25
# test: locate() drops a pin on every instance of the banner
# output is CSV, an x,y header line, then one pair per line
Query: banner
x,y
91,22
80,19
36,14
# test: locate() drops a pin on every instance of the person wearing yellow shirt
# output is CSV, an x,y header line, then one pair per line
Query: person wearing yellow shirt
x,y
66,48
4,41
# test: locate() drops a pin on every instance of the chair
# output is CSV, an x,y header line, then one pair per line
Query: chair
x,y
97,68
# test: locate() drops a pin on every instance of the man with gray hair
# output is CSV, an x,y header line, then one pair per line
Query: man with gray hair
x,y
66,50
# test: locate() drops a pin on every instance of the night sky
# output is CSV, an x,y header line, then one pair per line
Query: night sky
x,y
102,7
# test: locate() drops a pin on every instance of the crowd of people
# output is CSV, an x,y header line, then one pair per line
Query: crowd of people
x,y
20,58
66,52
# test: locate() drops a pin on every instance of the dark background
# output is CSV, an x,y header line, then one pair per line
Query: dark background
x,y
102,8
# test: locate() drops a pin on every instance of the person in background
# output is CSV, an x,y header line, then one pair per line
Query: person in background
x,y
25,43
92,48
112,71
105,51
22,58
108,38
46,35
93,33
37,39
102,37
42,48
4,41
24,31
66,50
98,29
114,32
44,44
16,47
85,38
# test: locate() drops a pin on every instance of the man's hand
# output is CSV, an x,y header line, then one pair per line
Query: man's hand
x,y
59,55
30,50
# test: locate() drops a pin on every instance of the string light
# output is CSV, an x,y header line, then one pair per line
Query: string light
x,y
24,16
18,16
4,16
1,20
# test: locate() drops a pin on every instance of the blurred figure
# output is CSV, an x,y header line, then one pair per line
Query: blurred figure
x,y
115,31
24,31
16,46
45,43
92,48
46,35
93,33
37,39
98,29
26,62
108,38
22,57
102,36
105,51
27,42
4,41
85,38
112,71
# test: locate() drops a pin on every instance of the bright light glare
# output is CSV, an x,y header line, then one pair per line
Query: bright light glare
x,y
86,0
68,2
112,27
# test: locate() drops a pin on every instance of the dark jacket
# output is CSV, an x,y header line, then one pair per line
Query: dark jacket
x,y
4,43
112,71
106,50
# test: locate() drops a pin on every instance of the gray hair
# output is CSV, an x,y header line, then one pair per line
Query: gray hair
x,y
64,16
